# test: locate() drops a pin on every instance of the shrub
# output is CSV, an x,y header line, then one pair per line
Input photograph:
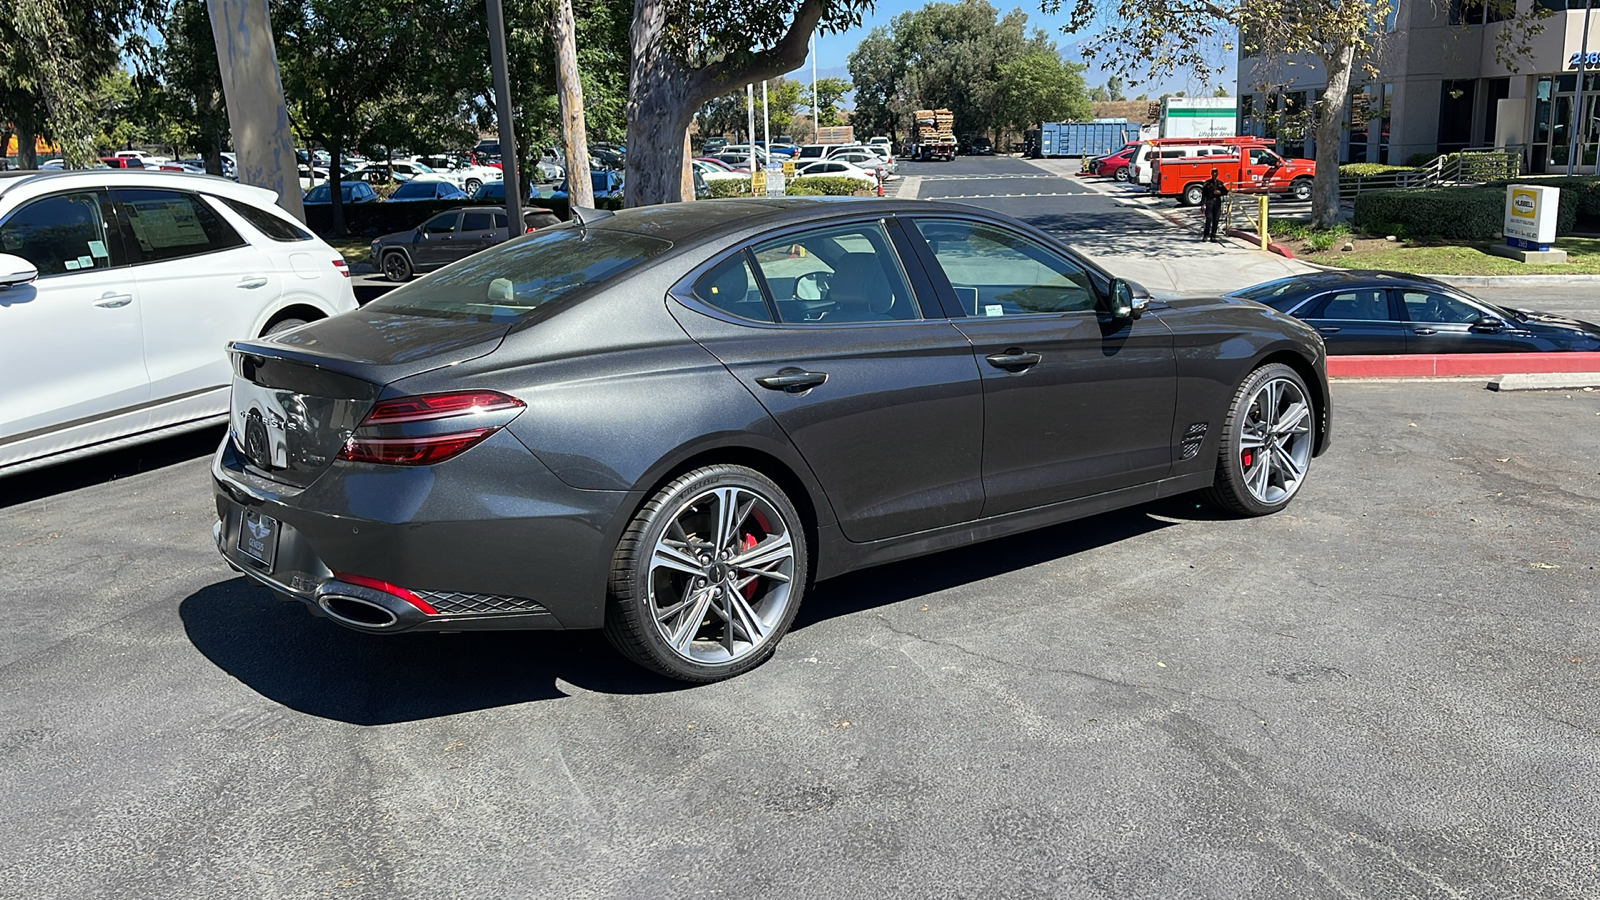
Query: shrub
x,y
1367,170
1322,240
729,187
1464,213
831,185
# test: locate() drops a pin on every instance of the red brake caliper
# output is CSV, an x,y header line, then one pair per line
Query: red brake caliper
x,y
748,542
1247,458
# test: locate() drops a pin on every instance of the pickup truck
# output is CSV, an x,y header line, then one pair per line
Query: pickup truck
x,y
1257,169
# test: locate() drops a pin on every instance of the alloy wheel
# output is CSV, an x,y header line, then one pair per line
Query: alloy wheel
x,y
1275,442
722,575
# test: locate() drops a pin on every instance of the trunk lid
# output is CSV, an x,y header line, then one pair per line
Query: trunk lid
x,y
297,397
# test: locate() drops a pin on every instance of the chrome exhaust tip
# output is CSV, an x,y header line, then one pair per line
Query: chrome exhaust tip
x,y
357,612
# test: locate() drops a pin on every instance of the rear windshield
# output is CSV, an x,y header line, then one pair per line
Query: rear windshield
x,y
511,281
1266,291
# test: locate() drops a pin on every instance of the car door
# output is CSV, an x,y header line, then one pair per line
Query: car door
x,y
1356,321
72,342
882,401
477,232
201,285
1441,322
1076,403
435,243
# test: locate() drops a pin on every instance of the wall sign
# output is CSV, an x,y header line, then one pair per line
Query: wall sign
x,y
1530,221
1592,61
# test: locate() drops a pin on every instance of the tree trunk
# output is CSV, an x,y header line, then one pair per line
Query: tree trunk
x,y
569,91
27,148
1330,129
335,196
661,105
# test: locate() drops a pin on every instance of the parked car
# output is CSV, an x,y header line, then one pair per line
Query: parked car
x,y
414,190
448,237
112,335
495,452
713,146
145,160
349,192
495,192
835,168
719,164
714,171
1142,163
1117,165
606,183
122,162
462,173
867,161
1364,312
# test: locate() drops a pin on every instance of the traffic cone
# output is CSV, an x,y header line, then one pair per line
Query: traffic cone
x,y
880,185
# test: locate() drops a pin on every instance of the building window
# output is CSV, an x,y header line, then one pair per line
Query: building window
x,y
1359,116
1455,115
1384,118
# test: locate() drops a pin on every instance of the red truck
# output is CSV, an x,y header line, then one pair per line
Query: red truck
x,y
1251,168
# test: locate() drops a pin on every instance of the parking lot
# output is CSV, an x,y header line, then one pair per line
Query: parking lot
x,y
1388,690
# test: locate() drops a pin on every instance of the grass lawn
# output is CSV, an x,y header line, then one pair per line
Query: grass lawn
x,y
353,249
1583,258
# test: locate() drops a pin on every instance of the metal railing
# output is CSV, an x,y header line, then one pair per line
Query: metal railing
x,y
1466,167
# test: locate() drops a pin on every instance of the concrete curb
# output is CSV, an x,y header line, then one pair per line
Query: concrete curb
x,y
1457,364
1546,381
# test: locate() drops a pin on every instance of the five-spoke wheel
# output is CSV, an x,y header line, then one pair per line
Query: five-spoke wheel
x,y
708,576
1266,442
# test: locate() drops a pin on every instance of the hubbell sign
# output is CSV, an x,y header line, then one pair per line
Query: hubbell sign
x,y
1531,216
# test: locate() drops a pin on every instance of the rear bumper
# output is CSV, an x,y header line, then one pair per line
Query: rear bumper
x,y
491,540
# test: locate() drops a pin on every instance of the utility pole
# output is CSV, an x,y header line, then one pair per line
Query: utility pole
x,y
569,91
815,134
766,122
502,108
750,110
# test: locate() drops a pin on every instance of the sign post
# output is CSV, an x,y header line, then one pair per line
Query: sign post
x,y
1530,224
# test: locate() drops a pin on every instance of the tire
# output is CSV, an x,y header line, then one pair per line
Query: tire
x,y
281,326
396,266
472,185
1121,174
1192,195
1300,189
663,563
1258,455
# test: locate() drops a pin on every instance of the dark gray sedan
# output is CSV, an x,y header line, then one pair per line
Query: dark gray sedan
x,y
668,422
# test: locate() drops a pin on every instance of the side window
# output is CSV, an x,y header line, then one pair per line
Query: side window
x,y
1365,305
836,275
1433,306
1000,273
444,223
500,221
274,226
479,221
731,287
61,234
173,224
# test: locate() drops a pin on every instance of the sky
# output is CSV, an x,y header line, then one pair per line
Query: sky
x,y
833,50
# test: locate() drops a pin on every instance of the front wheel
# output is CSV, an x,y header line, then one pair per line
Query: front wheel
x,y
1266,443
396,267
708,576
1300,189
472,186
1193,194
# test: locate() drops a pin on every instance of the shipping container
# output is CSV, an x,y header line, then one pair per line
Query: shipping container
x,y
1082,138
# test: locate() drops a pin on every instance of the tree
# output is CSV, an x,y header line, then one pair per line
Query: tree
x,y
686,52
1114,89
184,84
1338,38
1221,91
879,71
829,92
1041,87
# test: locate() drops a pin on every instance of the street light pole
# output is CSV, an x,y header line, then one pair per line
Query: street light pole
x,y
502,109
766,122
750,114
815,134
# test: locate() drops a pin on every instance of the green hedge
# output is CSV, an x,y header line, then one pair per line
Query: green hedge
x,y
807,186
1465,213
1367,170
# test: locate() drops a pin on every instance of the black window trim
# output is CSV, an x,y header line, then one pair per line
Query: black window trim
x,y
130,242
115,250
683,290
1099,279
227,203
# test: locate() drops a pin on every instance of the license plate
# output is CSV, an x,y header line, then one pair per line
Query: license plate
x,y
258,537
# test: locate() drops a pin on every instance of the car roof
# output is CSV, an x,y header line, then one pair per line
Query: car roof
x,y
1337,278
688,222
43,180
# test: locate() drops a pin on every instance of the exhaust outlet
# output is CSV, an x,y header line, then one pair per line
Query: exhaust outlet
x,y
357,612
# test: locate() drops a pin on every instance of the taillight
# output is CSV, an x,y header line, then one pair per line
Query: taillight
x,y
427,429
342,266
387,588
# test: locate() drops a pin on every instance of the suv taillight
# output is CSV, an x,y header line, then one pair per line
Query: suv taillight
x,y
427,429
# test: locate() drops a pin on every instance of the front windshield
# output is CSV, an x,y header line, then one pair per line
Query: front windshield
x,y
511,281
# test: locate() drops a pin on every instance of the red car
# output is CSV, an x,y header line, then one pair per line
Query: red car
x,y
1116,165
122,162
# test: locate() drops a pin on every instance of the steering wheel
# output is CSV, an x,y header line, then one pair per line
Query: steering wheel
x,y
821,283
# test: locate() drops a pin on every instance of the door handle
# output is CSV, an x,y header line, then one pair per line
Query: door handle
x,y
1328,329
114,301
253,281
792,381
1426,331
1014,360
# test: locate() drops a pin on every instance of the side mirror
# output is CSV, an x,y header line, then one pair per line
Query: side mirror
x,y
1488,325
1128,299
16,271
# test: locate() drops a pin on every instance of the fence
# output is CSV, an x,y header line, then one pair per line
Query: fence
x,y
1469,167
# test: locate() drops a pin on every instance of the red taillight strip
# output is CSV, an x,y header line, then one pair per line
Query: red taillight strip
x,y
416,451
427,407
342,266
387,588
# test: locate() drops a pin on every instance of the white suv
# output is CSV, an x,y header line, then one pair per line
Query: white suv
x,y
119,291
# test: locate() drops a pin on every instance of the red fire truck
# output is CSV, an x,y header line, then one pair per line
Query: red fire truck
x,y
1250,166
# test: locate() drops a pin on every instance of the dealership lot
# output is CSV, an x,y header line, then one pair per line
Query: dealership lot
x,y
1387,690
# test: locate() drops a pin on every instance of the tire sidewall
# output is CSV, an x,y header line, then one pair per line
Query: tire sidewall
x,y
1192,195
1300,190
1121,174
657,515
402,271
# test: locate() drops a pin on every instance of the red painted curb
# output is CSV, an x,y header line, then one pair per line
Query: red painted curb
x,y
1254,238
1446,365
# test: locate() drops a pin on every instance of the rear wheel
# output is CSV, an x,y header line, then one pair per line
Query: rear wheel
x,y
281,326
1266,443
1193,194
396,267
1121,174
708,576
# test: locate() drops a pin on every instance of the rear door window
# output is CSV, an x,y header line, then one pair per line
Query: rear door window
x,y
841,275
162,225
731,287
1365,305
275,227
479,221
61,234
